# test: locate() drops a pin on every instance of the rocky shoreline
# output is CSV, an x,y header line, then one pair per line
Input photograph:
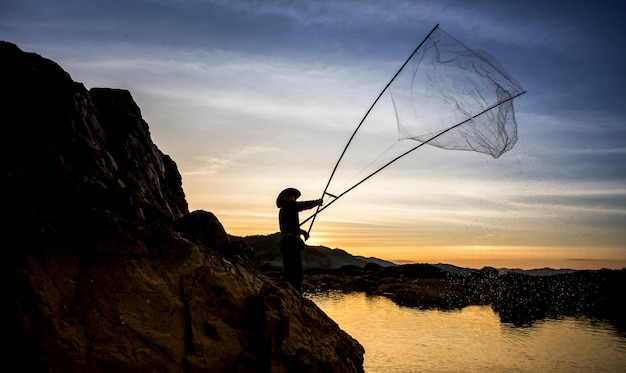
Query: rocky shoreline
x,y
518,299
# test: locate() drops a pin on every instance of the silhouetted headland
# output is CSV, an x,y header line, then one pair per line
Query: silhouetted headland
x,y
104,267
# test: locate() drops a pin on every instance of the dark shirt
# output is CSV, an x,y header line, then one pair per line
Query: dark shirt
x,y
288,215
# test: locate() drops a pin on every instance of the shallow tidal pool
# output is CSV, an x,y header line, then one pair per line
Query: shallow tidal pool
x,y
402,339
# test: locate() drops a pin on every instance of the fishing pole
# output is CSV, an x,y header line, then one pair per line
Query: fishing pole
x,y
325,192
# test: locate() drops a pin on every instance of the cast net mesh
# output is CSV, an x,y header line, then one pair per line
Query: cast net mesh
x,y
444,84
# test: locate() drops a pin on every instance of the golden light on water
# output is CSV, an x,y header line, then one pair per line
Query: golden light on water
x,y
401,339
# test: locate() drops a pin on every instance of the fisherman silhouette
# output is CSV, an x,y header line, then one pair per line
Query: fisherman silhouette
x,y
290,242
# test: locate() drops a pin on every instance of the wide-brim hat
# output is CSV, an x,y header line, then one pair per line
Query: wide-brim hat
x,y
286,192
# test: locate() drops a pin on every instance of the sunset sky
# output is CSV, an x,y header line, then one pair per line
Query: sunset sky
x,y
249,97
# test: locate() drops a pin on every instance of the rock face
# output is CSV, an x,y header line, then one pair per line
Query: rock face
x,y
106,270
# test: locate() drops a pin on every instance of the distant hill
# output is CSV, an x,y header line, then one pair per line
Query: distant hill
x,y
537,272
531,272
455,270
266,251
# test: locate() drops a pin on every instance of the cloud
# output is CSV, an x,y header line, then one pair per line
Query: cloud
x,y
212,164
250,96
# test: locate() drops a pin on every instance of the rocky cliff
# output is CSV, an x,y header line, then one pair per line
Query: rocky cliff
x,y
105,269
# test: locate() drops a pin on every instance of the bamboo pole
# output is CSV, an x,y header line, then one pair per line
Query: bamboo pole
x,y
361,123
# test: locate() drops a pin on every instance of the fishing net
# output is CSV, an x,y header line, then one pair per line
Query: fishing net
x,y
453,97
445,95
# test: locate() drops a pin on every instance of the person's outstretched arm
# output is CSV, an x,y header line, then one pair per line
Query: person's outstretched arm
x,y
305,205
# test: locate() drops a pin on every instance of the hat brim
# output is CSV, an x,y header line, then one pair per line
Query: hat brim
x,y
285,193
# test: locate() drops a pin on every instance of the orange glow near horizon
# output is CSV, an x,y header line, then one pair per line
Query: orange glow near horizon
x,y
525,257
406,247
460,223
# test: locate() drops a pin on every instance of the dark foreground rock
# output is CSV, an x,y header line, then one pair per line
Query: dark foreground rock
x,y
105,270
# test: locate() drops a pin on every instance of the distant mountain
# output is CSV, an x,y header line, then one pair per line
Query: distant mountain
x,y
380,262
536,272
531,272
266,251
455,270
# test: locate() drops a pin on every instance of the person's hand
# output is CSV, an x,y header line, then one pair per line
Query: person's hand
x,y
305,234
320,202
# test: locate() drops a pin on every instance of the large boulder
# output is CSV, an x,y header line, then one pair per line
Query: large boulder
x,y
106,270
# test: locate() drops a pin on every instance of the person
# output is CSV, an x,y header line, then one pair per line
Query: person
x,y
290,242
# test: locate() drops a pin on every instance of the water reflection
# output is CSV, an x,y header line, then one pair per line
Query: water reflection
x,y
401,339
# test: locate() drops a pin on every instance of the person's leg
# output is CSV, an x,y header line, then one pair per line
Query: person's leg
x,y
297,268
290,248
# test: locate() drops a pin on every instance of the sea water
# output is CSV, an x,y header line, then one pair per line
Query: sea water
x,y
402,339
